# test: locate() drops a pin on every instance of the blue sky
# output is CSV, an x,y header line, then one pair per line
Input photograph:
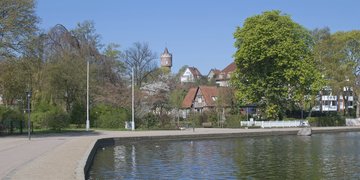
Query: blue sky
x,y
197,32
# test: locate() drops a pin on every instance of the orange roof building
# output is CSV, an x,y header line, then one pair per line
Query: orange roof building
x,y
201,98
213,74
225,75
189,98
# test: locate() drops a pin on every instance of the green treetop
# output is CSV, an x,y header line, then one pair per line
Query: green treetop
x,y
275,65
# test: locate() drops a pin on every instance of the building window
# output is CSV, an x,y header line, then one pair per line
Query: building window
x,y
334,103
214,98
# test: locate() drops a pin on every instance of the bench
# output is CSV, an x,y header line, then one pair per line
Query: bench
x,y
207,124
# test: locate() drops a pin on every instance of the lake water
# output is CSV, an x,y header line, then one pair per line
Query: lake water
x,y
321,156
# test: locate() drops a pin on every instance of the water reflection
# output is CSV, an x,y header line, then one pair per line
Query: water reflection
x,y
323,156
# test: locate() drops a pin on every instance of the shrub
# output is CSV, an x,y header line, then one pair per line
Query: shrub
x,y
78,114
149,121
105,116
7,113
50,117
39,119
212,117
165,121
58,119
155,121
330,120
233,121
195,119
10,117
352,112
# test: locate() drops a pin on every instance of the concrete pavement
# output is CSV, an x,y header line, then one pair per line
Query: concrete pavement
x,y
40,157
63,156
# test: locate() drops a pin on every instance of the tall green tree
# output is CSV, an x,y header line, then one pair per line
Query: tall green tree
x,y
17,25
275,65
320,35
339,57
86,36
13,80
112,86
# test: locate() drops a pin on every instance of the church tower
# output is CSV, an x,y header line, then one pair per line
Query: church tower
x,y
166,60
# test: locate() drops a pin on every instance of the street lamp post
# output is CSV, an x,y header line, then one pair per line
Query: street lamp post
x,y
132,102
87,98
28,98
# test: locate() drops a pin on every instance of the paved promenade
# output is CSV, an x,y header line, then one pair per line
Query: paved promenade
x,y
63,156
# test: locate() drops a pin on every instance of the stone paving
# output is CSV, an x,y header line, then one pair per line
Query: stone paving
x,y
63,156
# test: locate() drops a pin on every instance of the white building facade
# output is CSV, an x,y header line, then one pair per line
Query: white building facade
x,y
329,102
190,75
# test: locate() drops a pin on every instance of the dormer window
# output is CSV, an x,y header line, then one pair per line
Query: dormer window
x,y
214,98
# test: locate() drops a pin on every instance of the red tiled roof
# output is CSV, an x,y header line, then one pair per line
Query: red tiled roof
x,y
226,71
208,93
216,72
230,68
195,71
189,98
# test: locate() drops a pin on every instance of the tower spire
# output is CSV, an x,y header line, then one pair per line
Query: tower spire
x,y
166,59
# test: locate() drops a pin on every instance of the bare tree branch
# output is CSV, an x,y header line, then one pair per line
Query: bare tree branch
x,y
142,59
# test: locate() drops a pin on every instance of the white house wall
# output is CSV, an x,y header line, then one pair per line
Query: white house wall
x,y
329,105
187,76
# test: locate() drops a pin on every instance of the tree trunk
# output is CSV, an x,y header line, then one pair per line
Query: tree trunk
x,y
311,106
338,102
357,109
345,98
310,112
178,117
321,103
